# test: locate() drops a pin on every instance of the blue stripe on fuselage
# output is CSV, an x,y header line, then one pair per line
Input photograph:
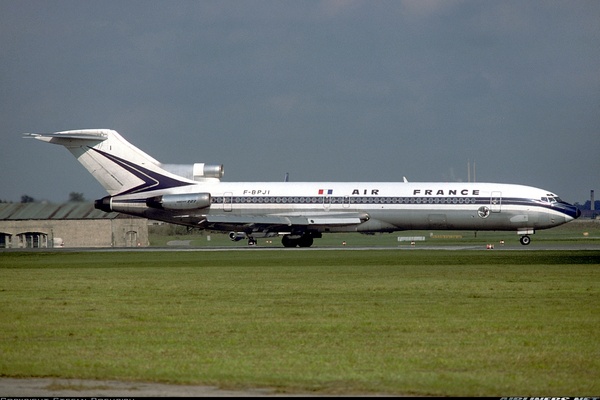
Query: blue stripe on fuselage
x,y
358,201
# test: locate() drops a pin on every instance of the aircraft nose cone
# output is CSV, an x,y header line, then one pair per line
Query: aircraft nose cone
x,y
569,211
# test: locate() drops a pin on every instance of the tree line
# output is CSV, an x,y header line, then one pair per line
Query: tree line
x,y
73,197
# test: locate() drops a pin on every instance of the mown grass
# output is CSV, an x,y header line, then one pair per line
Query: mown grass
x,y
455,323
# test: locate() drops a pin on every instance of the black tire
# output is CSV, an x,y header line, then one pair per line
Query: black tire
x,y
287,242
525,240
305,241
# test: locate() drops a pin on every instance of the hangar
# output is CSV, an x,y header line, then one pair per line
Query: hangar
x,y
75,224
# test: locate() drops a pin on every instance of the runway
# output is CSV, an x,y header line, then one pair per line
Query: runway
x,y
405,247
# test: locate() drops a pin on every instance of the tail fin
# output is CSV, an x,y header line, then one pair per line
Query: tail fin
x,y
119,166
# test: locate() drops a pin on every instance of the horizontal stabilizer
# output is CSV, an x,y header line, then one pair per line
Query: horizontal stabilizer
x,y
87,134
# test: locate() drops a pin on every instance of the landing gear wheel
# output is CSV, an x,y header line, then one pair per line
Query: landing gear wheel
x,y
525,240
251,242
287,242
305,241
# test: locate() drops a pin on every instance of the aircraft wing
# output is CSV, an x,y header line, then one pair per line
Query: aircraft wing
x,y
274,222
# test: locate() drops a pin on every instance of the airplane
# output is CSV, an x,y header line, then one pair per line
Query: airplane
x,y
194,195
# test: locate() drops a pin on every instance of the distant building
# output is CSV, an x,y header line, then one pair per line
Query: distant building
x,y
590,214
30,225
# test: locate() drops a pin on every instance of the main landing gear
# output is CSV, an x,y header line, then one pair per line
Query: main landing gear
x,y
525,240
304,240
291,240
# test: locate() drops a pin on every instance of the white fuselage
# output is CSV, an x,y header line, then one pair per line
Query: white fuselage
x,y
194,195
390,206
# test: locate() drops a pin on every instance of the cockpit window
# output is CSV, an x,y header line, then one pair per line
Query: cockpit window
x,y
552,199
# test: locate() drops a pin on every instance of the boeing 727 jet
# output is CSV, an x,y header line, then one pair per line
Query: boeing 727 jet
x,y
194,195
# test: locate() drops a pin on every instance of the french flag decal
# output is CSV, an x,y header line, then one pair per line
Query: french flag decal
x,y
325,191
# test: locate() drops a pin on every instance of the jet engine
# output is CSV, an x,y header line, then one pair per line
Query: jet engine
x,y
190,201
237,236
197,172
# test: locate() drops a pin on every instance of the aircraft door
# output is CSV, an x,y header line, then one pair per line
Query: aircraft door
x,y
326,202
346,202
496,202
227,200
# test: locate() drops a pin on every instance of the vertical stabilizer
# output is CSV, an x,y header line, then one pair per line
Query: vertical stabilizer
x,y
119,166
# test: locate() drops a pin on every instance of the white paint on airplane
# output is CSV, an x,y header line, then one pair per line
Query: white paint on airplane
x,y
194,195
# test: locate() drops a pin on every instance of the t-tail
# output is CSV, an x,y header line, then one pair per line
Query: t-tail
x,y
120,167
192,195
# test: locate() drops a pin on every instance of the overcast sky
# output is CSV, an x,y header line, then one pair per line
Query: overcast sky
x,y
325,90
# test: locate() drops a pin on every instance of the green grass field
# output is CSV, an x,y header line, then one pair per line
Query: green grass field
x,y
452,323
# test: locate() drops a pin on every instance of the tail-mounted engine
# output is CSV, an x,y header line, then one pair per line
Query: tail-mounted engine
x,y
192,201
197,172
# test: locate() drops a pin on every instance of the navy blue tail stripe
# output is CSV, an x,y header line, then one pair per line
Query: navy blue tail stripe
x,y
152,180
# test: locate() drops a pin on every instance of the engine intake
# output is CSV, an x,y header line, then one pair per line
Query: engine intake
x,y
201,170
192,201
237,236
197,172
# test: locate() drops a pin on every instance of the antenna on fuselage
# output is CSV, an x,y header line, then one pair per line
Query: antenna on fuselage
x,y
469,171
286,177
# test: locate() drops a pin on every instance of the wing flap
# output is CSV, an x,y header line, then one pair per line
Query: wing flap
x,y
334,221
247,219
288,220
